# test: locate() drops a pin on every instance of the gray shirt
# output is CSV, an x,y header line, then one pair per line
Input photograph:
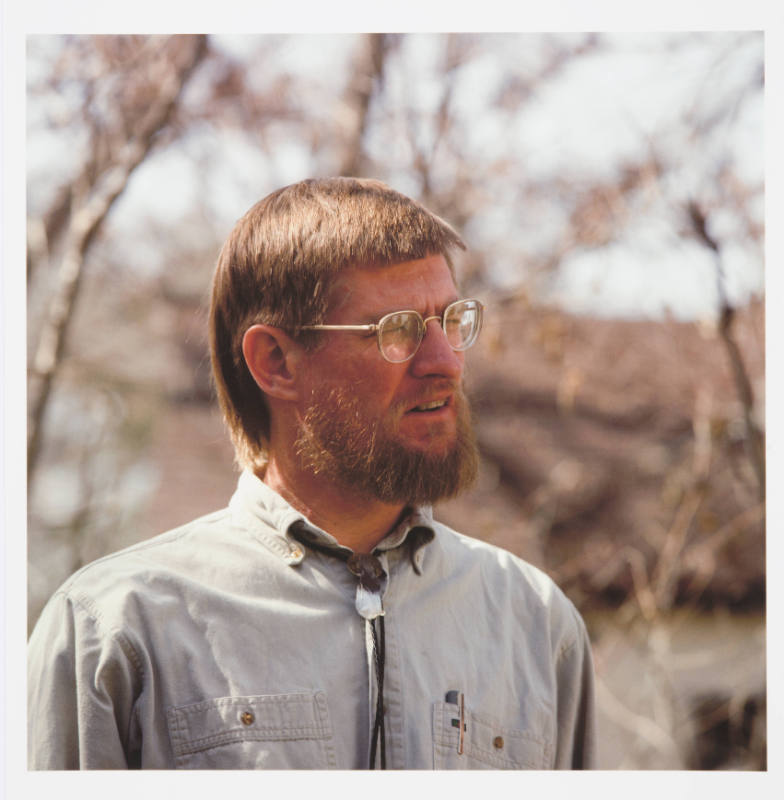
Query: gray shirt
x,y
228,644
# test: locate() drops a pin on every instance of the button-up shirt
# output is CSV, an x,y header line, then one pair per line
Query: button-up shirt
x,y
231,643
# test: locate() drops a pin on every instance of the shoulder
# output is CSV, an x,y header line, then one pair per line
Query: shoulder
x,y
462,551
163,547
121,584
516,586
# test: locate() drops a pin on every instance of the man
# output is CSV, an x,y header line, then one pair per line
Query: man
x,y
324,619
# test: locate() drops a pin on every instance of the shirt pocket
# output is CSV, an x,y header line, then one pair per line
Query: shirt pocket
x,y
486,743
268,731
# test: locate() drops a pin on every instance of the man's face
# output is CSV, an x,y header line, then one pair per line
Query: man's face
x,y
398,432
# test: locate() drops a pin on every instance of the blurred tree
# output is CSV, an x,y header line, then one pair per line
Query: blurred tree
x,y
129,89
754,437
365,80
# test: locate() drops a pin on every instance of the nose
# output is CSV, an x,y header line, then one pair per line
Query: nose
x,y
435,355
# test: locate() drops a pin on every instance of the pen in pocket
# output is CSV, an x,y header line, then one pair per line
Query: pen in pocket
x,y
458,699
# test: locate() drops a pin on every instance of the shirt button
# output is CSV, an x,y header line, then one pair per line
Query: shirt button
x,y
498,742
247,718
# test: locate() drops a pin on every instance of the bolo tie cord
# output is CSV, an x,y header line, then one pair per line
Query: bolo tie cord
x,y
369,571
378,727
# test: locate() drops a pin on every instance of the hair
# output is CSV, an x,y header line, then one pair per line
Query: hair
x,y
277,267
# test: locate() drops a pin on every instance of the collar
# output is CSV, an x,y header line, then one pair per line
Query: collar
x,y
255,500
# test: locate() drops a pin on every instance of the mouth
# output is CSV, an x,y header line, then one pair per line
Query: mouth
x,y
431,407
431,424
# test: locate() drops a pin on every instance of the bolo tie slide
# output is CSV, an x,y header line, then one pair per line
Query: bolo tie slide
x,y
369,572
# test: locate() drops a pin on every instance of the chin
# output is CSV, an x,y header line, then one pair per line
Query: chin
x,y
436,437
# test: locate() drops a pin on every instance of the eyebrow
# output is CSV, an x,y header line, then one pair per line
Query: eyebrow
x,y
394,309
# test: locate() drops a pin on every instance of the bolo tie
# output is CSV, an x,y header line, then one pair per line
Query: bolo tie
x,y
369,572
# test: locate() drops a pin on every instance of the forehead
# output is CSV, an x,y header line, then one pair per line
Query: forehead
x,y
422,284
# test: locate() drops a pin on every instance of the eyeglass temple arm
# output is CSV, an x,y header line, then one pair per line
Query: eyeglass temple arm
x,y
371,327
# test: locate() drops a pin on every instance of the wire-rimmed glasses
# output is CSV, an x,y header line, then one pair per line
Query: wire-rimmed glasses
x,y
400,333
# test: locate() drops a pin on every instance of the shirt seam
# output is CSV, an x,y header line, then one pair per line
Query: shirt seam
x,y
563,650
89,607
571,644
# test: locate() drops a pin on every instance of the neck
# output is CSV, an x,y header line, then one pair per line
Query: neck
x,y
356,521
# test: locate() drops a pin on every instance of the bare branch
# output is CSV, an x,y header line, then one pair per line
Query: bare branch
x,y
754,437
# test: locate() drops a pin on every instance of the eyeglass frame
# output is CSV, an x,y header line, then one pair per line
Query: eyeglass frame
x,y
376,327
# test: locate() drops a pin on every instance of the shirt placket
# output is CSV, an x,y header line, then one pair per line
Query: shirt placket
x,y
371,603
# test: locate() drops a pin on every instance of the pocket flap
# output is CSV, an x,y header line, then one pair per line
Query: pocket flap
x,y
265,717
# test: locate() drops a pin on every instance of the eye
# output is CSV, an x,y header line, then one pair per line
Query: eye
x,y
397,324
399,335
461,323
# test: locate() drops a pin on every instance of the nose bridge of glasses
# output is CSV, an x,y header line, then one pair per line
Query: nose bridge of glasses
x,y
434,318
425,320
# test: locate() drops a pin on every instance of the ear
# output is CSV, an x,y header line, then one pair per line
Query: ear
x,y
272,357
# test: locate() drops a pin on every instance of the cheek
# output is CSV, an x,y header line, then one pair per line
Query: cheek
x,y
363,374
375,384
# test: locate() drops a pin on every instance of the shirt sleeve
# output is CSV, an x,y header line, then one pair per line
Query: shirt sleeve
x,y
576,747
82,682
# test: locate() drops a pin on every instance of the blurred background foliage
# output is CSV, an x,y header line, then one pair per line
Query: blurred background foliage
x,y
611,190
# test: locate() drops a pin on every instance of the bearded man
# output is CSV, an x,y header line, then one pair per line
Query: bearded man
x,y
324,619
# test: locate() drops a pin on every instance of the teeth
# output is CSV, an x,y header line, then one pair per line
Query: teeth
x,y
431,406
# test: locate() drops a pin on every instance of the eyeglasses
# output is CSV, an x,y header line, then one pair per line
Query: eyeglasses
x,y
401,332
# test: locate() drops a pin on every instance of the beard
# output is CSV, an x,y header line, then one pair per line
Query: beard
x,y
339,440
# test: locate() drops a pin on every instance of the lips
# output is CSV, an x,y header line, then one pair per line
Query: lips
x,y
436,404
433,400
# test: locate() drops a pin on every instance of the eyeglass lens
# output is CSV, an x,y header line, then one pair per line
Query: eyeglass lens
x,y
400,334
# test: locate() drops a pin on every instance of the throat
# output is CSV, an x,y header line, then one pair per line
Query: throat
x,y
355,519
